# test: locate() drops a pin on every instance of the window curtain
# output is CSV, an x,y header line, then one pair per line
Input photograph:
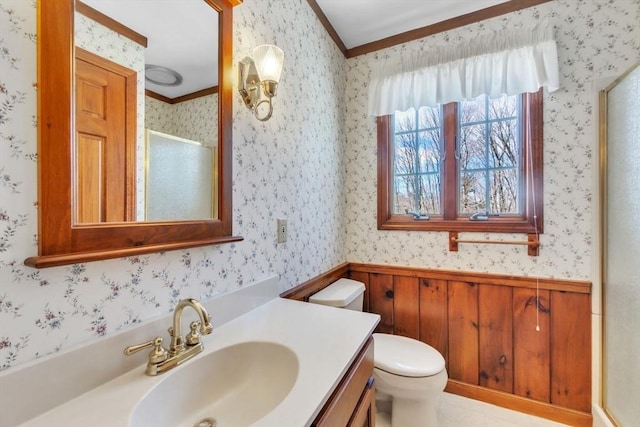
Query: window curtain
x,y
506,62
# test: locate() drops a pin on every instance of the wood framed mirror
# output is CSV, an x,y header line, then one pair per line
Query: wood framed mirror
x,y
62,239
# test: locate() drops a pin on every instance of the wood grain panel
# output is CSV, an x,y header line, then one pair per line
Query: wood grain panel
x,y
474,319
495,356
571,350
363,277
381,300
365,413
406,308
433,315
463,331
532,367
344,400
105,100
88,203
91,96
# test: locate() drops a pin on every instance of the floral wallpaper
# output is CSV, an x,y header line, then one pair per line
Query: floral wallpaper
x,y
313,163
159,116
196,119
596,39
291,167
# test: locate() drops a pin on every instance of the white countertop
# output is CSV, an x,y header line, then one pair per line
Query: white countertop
x,y
325,340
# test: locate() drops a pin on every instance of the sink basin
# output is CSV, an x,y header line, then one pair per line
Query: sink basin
x,y
235,386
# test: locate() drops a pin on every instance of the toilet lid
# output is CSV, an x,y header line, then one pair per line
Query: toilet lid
x,y
405,356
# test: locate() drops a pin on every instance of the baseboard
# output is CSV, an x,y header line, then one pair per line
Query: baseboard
x,y
521,404
601,418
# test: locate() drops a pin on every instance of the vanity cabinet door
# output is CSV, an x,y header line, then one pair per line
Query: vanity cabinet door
x,y
344,406
365,413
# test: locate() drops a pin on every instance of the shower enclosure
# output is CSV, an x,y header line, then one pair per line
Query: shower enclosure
x,y
620,185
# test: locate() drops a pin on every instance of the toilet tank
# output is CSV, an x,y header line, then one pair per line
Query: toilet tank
x,y
343,293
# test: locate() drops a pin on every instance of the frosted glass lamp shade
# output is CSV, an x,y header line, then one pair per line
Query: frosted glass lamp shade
x,y
269,60
260,75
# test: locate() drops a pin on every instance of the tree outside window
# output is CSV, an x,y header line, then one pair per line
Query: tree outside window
x,y
480,156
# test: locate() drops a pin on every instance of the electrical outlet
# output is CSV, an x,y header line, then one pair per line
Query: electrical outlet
x,y
282,230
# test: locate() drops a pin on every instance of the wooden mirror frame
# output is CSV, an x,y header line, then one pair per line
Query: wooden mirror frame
x,y
60,242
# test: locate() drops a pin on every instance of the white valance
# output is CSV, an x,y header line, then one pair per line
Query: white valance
x,y
506,62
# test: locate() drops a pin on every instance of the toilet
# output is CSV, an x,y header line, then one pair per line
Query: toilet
x,y
408,372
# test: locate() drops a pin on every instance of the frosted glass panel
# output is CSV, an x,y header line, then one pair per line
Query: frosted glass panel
x,y
622,240
179,178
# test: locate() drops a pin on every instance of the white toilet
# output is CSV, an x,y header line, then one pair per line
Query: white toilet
x,y
407,371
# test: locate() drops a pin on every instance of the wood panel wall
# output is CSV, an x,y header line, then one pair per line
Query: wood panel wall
x,y
486,327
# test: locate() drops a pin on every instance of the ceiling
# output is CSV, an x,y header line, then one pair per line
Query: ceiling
x,y
171,27
359,22
182,35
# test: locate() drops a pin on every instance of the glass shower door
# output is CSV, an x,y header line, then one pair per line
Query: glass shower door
x,y
620,103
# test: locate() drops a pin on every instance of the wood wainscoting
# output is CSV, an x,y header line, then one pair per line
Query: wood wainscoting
x,y
485,326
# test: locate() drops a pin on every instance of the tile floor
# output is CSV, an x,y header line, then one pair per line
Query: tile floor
x,y
456,411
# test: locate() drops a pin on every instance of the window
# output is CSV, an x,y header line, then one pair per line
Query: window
x,y
468,166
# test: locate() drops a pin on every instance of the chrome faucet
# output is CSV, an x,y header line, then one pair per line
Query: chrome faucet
x,y
180,350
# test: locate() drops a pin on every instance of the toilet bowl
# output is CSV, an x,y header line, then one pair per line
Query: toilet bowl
x,y
413,375
409,372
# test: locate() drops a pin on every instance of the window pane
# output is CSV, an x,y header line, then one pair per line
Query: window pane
x,y
490,156
472,147
403,194
404,153
429,118
473,110
472,196
430,194
417,161
505,106
429,151
503,144
503,191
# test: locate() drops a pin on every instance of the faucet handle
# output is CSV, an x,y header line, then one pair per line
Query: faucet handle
x,y
157,355
207,328
193,337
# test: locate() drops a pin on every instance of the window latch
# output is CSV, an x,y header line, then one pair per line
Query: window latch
x,y
481,216
417,216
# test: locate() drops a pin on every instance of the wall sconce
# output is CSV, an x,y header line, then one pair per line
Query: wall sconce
x,y
261,71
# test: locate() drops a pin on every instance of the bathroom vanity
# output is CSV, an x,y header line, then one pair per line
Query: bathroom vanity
x,y
281,363
353,402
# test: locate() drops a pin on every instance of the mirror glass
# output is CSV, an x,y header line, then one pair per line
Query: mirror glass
x,y
146,134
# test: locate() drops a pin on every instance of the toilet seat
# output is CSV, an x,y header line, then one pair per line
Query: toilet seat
x,y
406,357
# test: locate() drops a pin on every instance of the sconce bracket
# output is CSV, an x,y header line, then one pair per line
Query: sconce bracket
x,y
250,86
249,82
